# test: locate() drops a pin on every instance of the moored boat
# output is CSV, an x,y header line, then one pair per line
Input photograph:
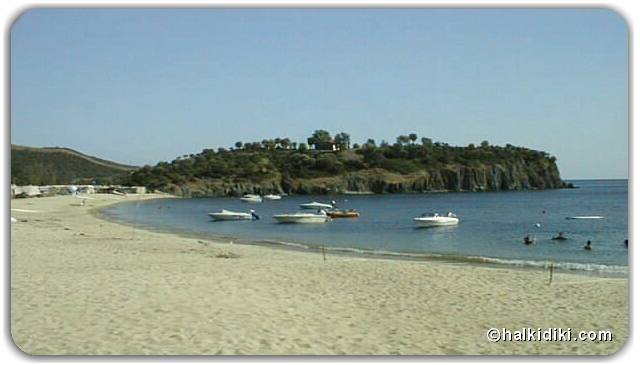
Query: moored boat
x,y
343,213
435,220
251,198
227,215
272,197
301,217
316,205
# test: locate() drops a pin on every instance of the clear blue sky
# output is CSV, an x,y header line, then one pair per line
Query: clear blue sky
x,y
139,86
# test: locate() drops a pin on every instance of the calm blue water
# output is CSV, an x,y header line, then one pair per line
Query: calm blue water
x,y
491,227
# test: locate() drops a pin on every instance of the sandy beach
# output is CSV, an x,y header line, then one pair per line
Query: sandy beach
x,y
83,285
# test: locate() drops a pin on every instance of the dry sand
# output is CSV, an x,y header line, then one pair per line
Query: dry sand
x,y
82,285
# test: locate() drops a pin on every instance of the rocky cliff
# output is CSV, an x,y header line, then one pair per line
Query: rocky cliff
x,y
498,177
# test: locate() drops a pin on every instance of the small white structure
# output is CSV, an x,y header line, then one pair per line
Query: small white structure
x,y
27,191
86,189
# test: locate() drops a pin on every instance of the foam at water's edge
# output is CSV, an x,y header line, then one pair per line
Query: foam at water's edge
x,y
611,269
569,266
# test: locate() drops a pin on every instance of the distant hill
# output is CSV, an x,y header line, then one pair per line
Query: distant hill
x,y
56,165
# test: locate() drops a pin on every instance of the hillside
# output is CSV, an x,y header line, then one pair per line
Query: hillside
x,y
55,165
279,166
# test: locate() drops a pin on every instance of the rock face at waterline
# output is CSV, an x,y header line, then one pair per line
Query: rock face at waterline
x,y
399,168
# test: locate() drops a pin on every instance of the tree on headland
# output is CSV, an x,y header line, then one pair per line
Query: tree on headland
x,y
268,144
285,143
370,144
413,137
402,140
426,142
318,136
343,140
238,144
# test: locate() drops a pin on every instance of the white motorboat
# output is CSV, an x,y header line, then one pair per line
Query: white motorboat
x,y
435,220
251,198
316,205
227,215
272,197
320,217
587,217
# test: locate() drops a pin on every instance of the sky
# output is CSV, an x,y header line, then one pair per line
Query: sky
x,y
140,86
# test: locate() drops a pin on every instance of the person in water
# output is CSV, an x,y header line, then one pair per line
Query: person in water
x,y
528,240
560,237
588,246
626,243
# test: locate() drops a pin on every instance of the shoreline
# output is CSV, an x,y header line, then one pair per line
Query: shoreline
x,y
83,285
480,261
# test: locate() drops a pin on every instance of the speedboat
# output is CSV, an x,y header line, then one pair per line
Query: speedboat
x,y
227,215
272,197
251,198
435,220
302,217
337,213
316,205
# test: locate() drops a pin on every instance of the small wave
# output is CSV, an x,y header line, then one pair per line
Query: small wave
x,y
374,252
287,244
568,266
590,267
291,244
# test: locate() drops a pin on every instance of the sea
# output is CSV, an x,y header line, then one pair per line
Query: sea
x,y
491,229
